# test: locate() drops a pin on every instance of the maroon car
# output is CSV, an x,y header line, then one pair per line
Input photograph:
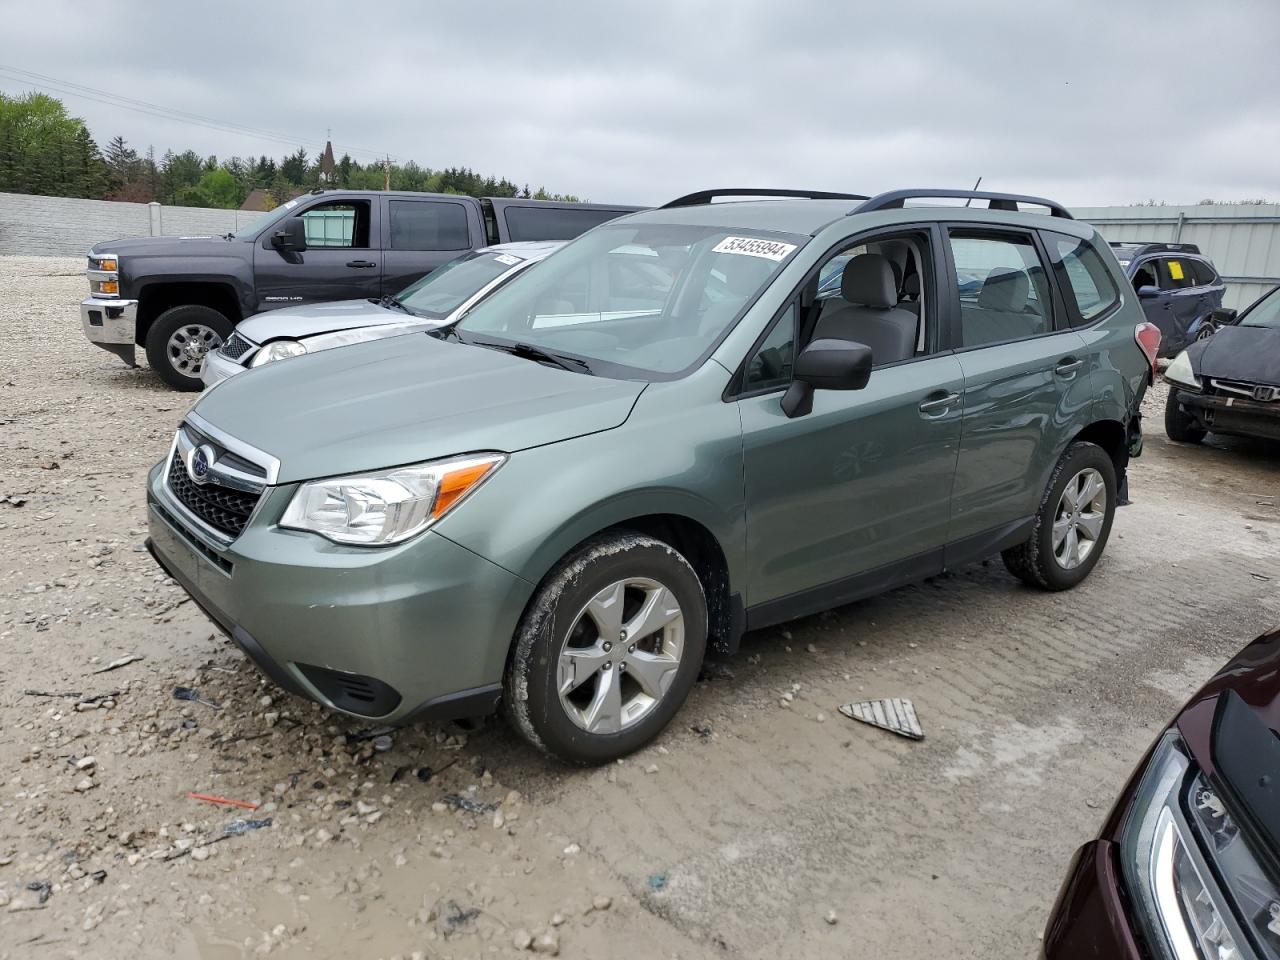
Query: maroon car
x,y
1188,863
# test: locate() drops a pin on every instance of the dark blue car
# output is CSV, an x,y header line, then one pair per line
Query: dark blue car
x,y
1178,286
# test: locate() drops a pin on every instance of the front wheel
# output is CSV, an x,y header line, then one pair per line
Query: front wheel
x,y
1072,524
1178,424
180,339
608,649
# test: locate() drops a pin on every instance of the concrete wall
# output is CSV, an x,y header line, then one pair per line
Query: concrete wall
x,y
62,226
1242,240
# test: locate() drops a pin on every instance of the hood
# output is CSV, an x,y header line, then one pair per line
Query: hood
x,y
165,246
308,320
405,400
1239,353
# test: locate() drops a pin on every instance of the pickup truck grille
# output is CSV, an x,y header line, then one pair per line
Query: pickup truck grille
x,y
236,347
231,487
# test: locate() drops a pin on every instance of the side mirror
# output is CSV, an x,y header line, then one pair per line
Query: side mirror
x,y
292,236
826,365
1223,316
1148,292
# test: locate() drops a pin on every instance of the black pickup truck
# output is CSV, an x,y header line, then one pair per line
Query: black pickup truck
x,y
180,297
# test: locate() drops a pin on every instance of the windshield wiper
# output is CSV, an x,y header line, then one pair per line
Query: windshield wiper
x,y
533,352
392,303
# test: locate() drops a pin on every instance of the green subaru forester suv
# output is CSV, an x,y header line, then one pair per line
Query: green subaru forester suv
x,y
689,422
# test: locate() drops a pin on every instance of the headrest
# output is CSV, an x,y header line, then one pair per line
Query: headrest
x,y
868,280
912,285
1004,289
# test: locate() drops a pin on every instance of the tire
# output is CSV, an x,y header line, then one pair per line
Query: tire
x,y
1039,561
566,615
1178,424
202,327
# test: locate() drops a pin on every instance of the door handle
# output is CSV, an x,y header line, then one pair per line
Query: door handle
x,y
361,263
1068,366
936,405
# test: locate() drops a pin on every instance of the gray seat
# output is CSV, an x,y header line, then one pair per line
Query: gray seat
x,y
999,313
871,314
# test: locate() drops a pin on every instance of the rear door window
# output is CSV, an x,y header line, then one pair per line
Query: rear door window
x,y
1082,272
1003,286
1175,274
428,225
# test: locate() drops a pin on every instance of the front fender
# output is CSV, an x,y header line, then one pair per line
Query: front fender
x,y
228,272
679,453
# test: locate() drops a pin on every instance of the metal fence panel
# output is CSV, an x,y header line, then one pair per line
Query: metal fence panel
x,y
1242,240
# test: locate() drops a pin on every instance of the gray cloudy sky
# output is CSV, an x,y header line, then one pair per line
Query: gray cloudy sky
x,y
1087,101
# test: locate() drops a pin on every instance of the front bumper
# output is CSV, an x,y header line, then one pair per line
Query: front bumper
x,y
416,631
1090,917
1238,416
218,368
111,325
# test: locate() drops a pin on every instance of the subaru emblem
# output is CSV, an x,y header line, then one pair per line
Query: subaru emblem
x,y
199,464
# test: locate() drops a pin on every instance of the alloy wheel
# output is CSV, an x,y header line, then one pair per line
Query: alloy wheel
x,y
621,655
1079,519
189,345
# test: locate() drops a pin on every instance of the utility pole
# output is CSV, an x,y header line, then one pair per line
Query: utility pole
x,y
386,168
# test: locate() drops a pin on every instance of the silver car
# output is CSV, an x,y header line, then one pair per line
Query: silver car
x,y
438,298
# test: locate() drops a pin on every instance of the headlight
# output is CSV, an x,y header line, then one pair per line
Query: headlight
x,y
278,350
389,506
1180,372
1185,912
104,278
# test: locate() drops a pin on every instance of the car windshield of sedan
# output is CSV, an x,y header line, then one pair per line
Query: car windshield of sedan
x,y
1266,313
640,301
446,288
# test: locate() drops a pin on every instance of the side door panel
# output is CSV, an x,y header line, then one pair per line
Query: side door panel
x,y
342,260
1028,382
861,482
420,235
1018,411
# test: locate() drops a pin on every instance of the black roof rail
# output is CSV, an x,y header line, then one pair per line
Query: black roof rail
x,y
995,201
706,196
1155,246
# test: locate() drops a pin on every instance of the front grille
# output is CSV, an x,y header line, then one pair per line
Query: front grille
x,y
221,507
236,347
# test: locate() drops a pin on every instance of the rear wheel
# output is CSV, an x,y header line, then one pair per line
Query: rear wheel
x,y
180,339
1178,424
1072,524
608,650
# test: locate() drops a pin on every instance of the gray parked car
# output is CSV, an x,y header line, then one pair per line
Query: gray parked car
x,y
440,297
657,439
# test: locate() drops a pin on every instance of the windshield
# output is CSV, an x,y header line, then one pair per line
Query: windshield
x,y
251,228
446,288
1264,313
634,300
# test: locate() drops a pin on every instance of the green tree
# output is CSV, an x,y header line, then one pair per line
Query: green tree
x,y
42,150
220,189
294,168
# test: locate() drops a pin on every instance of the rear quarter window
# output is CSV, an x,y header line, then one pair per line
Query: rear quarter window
x,y
1084,277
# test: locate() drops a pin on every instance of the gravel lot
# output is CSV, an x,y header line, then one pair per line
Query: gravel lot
x,y
734,841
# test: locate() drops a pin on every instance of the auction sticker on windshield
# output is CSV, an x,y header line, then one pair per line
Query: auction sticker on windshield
x,y
754,247
506,258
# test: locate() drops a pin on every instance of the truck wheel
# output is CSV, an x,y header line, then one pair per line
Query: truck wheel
x,y
608,649
1072,524
179,340
1178,424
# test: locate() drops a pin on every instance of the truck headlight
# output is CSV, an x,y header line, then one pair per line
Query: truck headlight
x,y
278,350
1180,372
388,506
1182,908
104,276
